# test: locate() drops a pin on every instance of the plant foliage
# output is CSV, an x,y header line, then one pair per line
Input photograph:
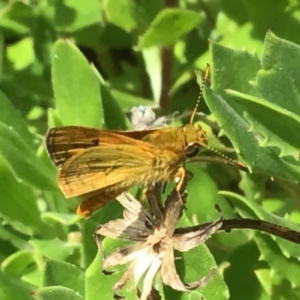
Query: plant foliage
x,y
87,63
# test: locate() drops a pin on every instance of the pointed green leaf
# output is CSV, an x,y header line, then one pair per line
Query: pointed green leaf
x,y
121,13
243,262
114,118
194,265
278,126
55,293
54,249
18,263
11,117
65,274
271,252
279,80
233,69
256,211
12,288
76,90
96,282
259,159
23,162
54,217
18,202
1,56
168,26
75,15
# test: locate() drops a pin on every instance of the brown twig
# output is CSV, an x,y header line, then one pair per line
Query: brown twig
x,y
265,226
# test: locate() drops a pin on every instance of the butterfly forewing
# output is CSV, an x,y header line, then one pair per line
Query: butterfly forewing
x,y
63,143
104,167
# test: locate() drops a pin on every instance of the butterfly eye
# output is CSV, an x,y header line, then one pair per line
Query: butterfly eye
x,y
192,149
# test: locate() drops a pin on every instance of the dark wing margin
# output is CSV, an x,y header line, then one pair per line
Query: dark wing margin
x,y
63,143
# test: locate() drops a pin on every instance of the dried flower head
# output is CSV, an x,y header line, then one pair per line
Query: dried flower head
x,y
155,237
144,117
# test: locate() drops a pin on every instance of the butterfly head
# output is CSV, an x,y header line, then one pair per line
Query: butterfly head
x,y
195,138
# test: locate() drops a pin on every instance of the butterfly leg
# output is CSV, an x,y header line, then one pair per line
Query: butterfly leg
x,y
184,176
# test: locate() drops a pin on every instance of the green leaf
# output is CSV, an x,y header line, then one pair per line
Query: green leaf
x,y
108,34
113,115
74,15
114,118
259,159
54,249
76,90
18,202
278,84
11,288
282,134
23,162
65,219
53,119
1,56
127,101
11,117
203,189
111,211
94,276
243,263
241,67
261,15
153,65
202,198
121,13
12,238
44,35
271,252
25,46
232,69
196,264
65,274
256,211
55,293
17,17
25,88
279,79
168,26
18,263
240,36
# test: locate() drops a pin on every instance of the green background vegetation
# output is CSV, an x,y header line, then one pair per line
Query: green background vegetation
x,y
77,62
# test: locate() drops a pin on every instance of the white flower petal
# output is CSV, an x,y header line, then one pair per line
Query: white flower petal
x,y
149,278
143,260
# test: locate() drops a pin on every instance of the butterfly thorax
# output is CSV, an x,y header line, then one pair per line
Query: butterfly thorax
x,y
176,139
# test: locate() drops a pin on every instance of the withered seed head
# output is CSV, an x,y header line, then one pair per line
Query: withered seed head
x,y
155,240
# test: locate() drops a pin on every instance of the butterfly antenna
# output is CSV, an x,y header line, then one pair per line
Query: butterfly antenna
x,y
227,159
200,96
